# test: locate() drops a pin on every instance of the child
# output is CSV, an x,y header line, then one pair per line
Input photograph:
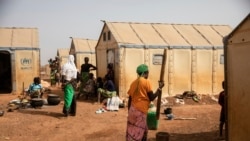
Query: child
x,y
221,101
36,88
89,88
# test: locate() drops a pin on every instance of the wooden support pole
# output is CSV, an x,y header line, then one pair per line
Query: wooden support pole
x,y
158,108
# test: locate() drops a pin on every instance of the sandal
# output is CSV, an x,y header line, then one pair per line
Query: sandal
x,y
101,110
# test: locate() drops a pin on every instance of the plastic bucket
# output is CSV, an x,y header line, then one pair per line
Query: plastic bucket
x,y
162,136
152,122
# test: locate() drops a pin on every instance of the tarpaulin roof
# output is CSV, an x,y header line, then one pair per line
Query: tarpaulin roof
x,y
63,52
83,45
241,32
163,34
18,37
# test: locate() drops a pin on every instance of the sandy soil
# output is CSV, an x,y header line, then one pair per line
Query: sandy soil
x,y
49,124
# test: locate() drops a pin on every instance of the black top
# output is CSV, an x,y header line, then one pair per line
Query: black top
x,y
86,67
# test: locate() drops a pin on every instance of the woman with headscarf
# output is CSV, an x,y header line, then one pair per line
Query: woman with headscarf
x,y
69,73
140,94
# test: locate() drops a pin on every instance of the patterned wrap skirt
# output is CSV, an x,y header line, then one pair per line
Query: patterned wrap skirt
x,y
136,125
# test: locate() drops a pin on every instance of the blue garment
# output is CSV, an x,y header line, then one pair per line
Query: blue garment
x,y
109,85
34,87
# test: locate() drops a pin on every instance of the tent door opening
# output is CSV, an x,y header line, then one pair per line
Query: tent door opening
x,y
5,72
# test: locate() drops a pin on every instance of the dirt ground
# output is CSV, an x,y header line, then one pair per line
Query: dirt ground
x,y
49,124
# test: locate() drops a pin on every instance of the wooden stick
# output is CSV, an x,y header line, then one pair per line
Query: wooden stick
x,y
184,118
161,80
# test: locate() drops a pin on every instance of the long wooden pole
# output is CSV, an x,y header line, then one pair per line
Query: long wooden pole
x,y
158,108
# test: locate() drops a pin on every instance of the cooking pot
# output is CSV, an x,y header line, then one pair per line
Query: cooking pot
x,y
36,102
168,111
53,99
162,136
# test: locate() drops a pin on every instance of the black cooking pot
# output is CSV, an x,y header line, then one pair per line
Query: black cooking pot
x,y
168,111
53,99
162,136
36,102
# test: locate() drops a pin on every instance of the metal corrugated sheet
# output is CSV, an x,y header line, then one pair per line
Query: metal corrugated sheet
x,y
175,35
19,37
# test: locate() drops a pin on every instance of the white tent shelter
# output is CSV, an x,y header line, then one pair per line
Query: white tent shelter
x,y
237,49
194,54
19,58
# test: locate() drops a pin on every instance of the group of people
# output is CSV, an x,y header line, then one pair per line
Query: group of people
x,y
140,94
69,84
89,86
55,70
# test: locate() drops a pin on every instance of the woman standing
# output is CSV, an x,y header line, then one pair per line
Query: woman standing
x,y
84,74
140,94
69,75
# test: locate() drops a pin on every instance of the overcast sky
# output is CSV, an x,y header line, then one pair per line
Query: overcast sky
x,y
57,20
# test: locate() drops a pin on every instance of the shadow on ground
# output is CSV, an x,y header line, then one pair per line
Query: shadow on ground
x,y
38,112
204,136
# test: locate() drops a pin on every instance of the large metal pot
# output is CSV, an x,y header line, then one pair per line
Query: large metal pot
x,y
53,99
36,102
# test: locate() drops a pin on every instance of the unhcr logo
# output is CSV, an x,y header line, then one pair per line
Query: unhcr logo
x,y
26,61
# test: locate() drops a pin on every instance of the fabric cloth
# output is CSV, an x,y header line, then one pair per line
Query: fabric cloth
x,y
89,86
221,101
85,78
70,73
72,109
108,89
113,103
68,95
106,93
142,68
35,90
35,87
52,77
69,100
138,91
85,69
69,69
109,85
137,126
